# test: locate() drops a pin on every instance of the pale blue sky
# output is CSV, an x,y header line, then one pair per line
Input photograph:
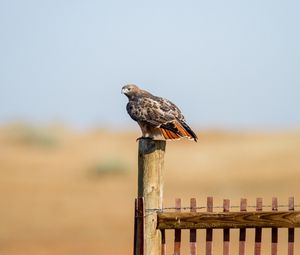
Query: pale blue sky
x,y
227,64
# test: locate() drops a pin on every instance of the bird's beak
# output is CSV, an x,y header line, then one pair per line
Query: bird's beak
x,y
123,91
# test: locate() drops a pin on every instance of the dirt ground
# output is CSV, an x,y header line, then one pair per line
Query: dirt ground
x,y
69,193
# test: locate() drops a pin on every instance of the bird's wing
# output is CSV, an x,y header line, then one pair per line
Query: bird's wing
x,y
160,113
155,111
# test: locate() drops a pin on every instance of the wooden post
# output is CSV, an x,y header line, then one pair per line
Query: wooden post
x,y
150,186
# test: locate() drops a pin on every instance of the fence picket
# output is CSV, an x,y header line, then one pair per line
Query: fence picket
x,y
258,231
243,208
139,223
193,232
177,241
135,227
226,231
209,231
291,231
163,242
274,230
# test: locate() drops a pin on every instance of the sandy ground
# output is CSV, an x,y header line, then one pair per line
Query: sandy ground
x,y
69,193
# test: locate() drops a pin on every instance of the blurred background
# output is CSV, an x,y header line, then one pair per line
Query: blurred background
x,y
68,155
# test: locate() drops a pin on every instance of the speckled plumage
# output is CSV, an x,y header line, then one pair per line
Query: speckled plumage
x,y
158,118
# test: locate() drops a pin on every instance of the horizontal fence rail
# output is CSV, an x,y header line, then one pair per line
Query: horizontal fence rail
x,y
200,220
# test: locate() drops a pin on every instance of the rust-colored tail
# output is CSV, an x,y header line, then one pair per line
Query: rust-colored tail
x,y
169,135
191,133
176,130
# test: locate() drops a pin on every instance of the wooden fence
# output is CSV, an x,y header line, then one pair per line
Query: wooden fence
x,y
152,220
257,216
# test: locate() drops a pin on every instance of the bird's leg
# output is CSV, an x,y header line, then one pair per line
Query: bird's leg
x,y
144,137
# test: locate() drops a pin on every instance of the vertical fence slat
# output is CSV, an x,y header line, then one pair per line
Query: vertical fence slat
x,y
139,224
193,232
274,230
135,227
209,232
258,231
243,208
163,242
141,211
226,231
177,232
291,231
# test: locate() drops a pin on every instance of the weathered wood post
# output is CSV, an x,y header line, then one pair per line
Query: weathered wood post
x,y
150,186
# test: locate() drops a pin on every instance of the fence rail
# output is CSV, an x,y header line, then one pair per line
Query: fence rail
x,y
200,220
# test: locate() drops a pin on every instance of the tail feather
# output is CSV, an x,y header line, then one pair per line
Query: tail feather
x,y
189,130
169,134
176,130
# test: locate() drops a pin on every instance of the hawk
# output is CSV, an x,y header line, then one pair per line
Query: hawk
x,y
158,118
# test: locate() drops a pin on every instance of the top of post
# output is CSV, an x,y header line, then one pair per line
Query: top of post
x,y
147,146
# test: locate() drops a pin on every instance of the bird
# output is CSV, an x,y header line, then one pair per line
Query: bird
x,y
158,118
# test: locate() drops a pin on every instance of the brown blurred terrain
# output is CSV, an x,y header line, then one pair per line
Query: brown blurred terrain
x,y
68,193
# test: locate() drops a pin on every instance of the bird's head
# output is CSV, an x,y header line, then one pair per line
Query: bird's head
x,y
130,90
